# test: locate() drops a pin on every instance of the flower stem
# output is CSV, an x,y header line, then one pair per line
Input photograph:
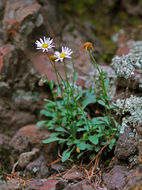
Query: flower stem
x,y
56,71
105,96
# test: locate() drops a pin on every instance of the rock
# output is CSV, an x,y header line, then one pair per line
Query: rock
x,y
134,179
31,136
2,6
125,147
4,141
20,19
45,184
8,62
2,183
24,99
116,178
58,167
2,35
4,89
38,168
81,186
131,8
73,174
76,41
139,131
14,184
26,157
128,67
12,120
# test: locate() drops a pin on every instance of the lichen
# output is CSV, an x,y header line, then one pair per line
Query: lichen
x,y
125,65
131,111
133,158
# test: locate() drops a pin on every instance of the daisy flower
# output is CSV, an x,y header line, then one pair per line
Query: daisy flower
x,y
66,53
44,44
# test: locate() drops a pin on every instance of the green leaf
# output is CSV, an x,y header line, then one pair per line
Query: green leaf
x,y
73,128
96,121
89,99
82,146
51,84
66,154
46,113
75,77
40,123
94,139
97,149
81,129
106,120
51,139
61,129
102,103
89,147
107,82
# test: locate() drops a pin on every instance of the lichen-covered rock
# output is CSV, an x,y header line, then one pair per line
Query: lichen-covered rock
x,y
126,145
139,132
131,111
125,65
130,67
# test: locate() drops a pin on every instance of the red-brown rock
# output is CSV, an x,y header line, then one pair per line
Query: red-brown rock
x,y
116,178
29,137
45,184
20,18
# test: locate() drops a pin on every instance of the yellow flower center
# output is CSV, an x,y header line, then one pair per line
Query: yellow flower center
x,y
62,55
45,45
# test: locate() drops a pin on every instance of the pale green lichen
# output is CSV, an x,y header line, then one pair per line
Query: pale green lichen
x,y
125,65
131,111
133,158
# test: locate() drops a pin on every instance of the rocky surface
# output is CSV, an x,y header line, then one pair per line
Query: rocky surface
x,y
21,66
126,145
38,168
116,178
29,137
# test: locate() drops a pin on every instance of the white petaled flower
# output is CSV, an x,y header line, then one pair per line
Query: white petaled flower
x,y
66,53
44,44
